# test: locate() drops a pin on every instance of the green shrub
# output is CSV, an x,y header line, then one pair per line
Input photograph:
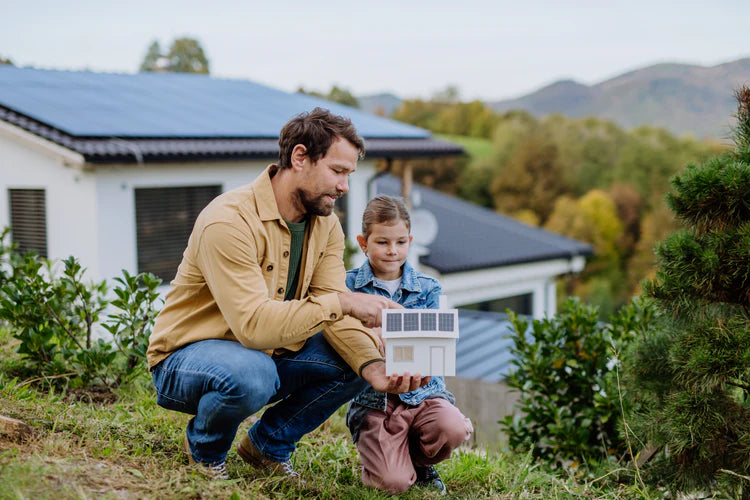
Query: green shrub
x,y
565,374
54,316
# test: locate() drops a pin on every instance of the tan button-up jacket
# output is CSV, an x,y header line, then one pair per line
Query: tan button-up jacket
x,y
230,283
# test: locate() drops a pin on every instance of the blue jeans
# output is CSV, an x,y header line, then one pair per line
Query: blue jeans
x,y
222,383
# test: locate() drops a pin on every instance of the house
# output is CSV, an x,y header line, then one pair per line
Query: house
x,y
421,340
487,261
114,168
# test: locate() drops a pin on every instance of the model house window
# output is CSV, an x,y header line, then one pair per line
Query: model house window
x,y
164,219
28,220
403,353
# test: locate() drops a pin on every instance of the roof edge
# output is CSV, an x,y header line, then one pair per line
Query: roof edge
x,y
103,150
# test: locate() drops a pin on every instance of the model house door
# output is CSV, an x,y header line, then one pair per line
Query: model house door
x,y
437,360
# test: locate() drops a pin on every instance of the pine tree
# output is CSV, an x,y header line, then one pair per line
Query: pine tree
x,y
691,373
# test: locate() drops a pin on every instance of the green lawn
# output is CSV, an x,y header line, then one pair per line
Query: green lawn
x,y
476,147
130,448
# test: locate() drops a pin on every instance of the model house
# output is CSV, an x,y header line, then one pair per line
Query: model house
x,y
421,340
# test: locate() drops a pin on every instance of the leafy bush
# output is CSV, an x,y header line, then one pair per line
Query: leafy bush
x,y
566,376
54,316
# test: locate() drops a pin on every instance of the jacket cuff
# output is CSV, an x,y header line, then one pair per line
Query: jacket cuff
x,y
368,363
331,306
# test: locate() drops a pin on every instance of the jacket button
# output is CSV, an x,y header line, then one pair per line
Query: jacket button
x,y
333,315
269,267
280,290
286,253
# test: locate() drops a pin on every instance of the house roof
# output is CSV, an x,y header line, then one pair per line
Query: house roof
x,y
472,237
483,349
111,117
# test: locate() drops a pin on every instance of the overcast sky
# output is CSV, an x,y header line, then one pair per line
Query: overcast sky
x,y
414,48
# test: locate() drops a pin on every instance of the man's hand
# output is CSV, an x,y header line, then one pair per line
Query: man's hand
x,y
365,307
374,373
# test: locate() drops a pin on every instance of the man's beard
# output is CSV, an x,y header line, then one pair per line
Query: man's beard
x,y
316,205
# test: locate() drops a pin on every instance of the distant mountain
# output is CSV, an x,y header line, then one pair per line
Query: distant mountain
x,y
379,104
683,98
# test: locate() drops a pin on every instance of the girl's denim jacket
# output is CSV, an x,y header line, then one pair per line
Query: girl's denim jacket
x,y
417,290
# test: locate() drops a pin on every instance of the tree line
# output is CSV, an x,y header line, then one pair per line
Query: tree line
x,y
587,178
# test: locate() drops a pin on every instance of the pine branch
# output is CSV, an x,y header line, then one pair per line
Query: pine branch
x,y
740,385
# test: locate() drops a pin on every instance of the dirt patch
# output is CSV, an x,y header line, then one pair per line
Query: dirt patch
x,y
91,395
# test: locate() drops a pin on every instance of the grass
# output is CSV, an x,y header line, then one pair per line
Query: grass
x,y
130,448
476,147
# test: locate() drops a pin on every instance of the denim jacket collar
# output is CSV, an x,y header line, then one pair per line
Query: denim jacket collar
x,y
409,279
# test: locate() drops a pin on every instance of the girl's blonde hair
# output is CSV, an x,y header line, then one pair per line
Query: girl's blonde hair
x,y
384,209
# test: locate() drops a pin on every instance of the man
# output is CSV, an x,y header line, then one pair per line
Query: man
x,y
259,312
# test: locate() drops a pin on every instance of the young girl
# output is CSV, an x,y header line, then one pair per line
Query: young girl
x,y
400,437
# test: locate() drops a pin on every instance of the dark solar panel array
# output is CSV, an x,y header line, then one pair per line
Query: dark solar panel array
x,y
88,104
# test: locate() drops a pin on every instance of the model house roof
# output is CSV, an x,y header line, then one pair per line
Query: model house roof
x,y
111,117
472,237
483,350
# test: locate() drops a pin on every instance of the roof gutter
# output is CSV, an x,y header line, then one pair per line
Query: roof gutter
x,y
68,157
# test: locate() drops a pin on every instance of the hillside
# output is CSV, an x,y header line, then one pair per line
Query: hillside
x,y
683,98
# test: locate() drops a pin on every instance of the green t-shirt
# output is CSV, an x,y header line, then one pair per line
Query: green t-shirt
x,y
295,256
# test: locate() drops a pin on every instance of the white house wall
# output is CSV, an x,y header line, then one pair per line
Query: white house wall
x,y
27,162
115,197
536,278
115,194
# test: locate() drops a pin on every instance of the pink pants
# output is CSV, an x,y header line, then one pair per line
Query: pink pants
x,y
393,441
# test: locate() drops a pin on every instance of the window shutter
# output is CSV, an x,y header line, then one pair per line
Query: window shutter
x,y
28,220
164,220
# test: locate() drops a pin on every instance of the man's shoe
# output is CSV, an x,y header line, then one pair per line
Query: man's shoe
x,y
213,471
250,454
428,476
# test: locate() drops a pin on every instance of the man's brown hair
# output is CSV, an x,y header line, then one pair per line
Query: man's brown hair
x,y
316,130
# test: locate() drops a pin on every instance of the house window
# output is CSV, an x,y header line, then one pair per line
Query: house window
x,y
411,322
164,220
403,353
519,304
446,322
429,322
28,220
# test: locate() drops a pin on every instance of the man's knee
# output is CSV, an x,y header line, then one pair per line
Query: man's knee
x,y
251,387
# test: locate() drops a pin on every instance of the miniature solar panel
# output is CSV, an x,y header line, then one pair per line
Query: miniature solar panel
x,y
411,322
446,322
429,322
393,323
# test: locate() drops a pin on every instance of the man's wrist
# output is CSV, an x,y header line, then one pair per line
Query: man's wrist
x,y
344,302
371,365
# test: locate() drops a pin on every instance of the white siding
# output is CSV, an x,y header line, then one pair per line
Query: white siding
x,y
115,193
69,192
